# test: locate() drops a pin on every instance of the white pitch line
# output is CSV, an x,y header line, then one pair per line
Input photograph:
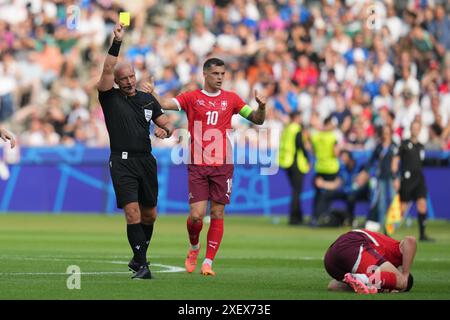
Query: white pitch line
x,y
59,273
168,268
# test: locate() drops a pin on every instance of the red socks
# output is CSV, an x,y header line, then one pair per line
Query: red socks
x,y
214,238
388,280
194,229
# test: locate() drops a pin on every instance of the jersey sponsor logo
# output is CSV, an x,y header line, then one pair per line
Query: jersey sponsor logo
x,y
148,114
212,103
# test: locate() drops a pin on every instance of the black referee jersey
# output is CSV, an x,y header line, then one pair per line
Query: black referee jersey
x,y
128,119
411,157
412,182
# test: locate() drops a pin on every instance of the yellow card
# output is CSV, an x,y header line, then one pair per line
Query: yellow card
x,y
124,17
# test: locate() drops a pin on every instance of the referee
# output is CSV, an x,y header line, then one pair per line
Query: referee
x,y
410,154
133,168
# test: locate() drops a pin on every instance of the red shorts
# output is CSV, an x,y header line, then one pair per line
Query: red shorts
x,y
210,183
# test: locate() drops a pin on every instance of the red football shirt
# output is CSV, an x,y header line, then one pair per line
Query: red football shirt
x,y
209,117
387,247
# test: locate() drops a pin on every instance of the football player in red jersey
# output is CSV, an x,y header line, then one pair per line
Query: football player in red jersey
x,y
370,262
209,112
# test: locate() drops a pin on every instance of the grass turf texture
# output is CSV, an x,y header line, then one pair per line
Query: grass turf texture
x,y
257,260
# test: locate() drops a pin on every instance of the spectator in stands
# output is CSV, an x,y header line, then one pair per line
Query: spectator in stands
x,y
326,150
325,51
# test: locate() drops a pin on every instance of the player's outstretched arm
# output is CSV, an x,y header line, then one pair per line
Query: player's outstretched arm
x,y
6,135
408,247
107,78
258,116
166,104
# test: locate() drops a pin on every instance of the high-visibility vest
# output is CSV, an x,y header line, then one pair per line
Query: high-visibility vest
x,y
288,149
323,143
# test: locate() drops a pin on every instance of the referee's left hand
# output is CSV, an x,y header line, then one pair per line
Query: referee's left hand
x,y
160,133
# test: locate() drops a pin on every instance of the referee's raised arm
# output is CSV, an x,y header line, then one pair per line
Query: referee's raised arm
x,y
107,78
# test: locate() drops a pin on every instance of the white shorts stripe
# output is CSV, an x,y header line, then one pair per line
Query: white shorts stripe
x,y
358,260
368,235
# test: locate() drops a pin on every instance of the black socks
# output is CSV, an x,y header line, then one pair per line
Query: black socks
x,y
148,232
137,240
421,218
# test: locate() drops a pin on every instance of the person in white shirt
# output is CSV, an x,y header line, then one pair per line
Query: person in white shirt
x,y
407,82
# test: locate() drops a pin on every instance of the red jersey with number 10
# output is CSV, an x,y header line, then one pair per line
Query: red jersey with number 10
x,y
209,117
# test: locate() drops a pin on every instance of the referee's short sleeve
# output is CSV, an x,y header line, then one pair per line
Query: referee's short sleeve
x,y
105,93
105,97
157,109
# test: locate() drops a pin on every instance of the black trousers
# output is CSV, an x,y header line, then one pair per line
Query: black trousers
x,y
296,182
322,198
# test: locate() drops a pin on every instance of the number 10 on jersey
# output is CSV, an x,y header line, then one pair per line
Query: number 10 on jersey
x,y
213,116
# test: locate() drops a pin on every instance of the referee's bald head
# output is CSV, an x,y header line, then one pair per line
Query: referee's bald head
x,y
123,68
125,78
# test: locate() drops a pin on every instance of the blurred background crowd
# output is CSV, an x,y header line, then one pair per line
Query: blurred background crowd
x,y
367,63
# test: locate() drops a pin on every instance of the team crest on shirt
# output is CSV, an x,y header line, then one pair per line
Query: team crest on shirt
x,y
224,104
148,114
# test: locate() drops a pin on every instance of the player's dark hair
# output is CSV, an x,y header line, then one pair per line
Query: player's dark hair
x,y
211,62
410,283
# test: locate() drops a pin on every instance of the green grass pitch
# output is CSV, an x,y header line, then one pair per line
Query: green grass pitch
x,y
257,260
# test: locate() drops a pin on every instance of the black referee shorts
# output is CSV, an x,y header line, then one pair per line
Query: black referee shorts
x,y
134,179
412,188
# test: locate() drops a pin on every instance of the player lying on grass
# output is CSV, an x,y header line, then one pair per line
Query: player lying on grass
x,y
370,262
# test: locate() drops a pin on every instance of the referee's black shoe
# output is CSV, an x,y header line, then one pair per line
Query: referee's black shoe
x,y
425,238
134,266
143,273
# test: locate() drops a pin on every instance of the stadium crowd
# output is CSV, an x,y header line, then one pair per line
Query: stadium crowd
x,y
367,63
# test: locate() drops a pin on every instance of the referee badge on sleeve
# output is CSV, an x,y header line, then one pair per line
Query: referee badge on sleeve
x,y
148,114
